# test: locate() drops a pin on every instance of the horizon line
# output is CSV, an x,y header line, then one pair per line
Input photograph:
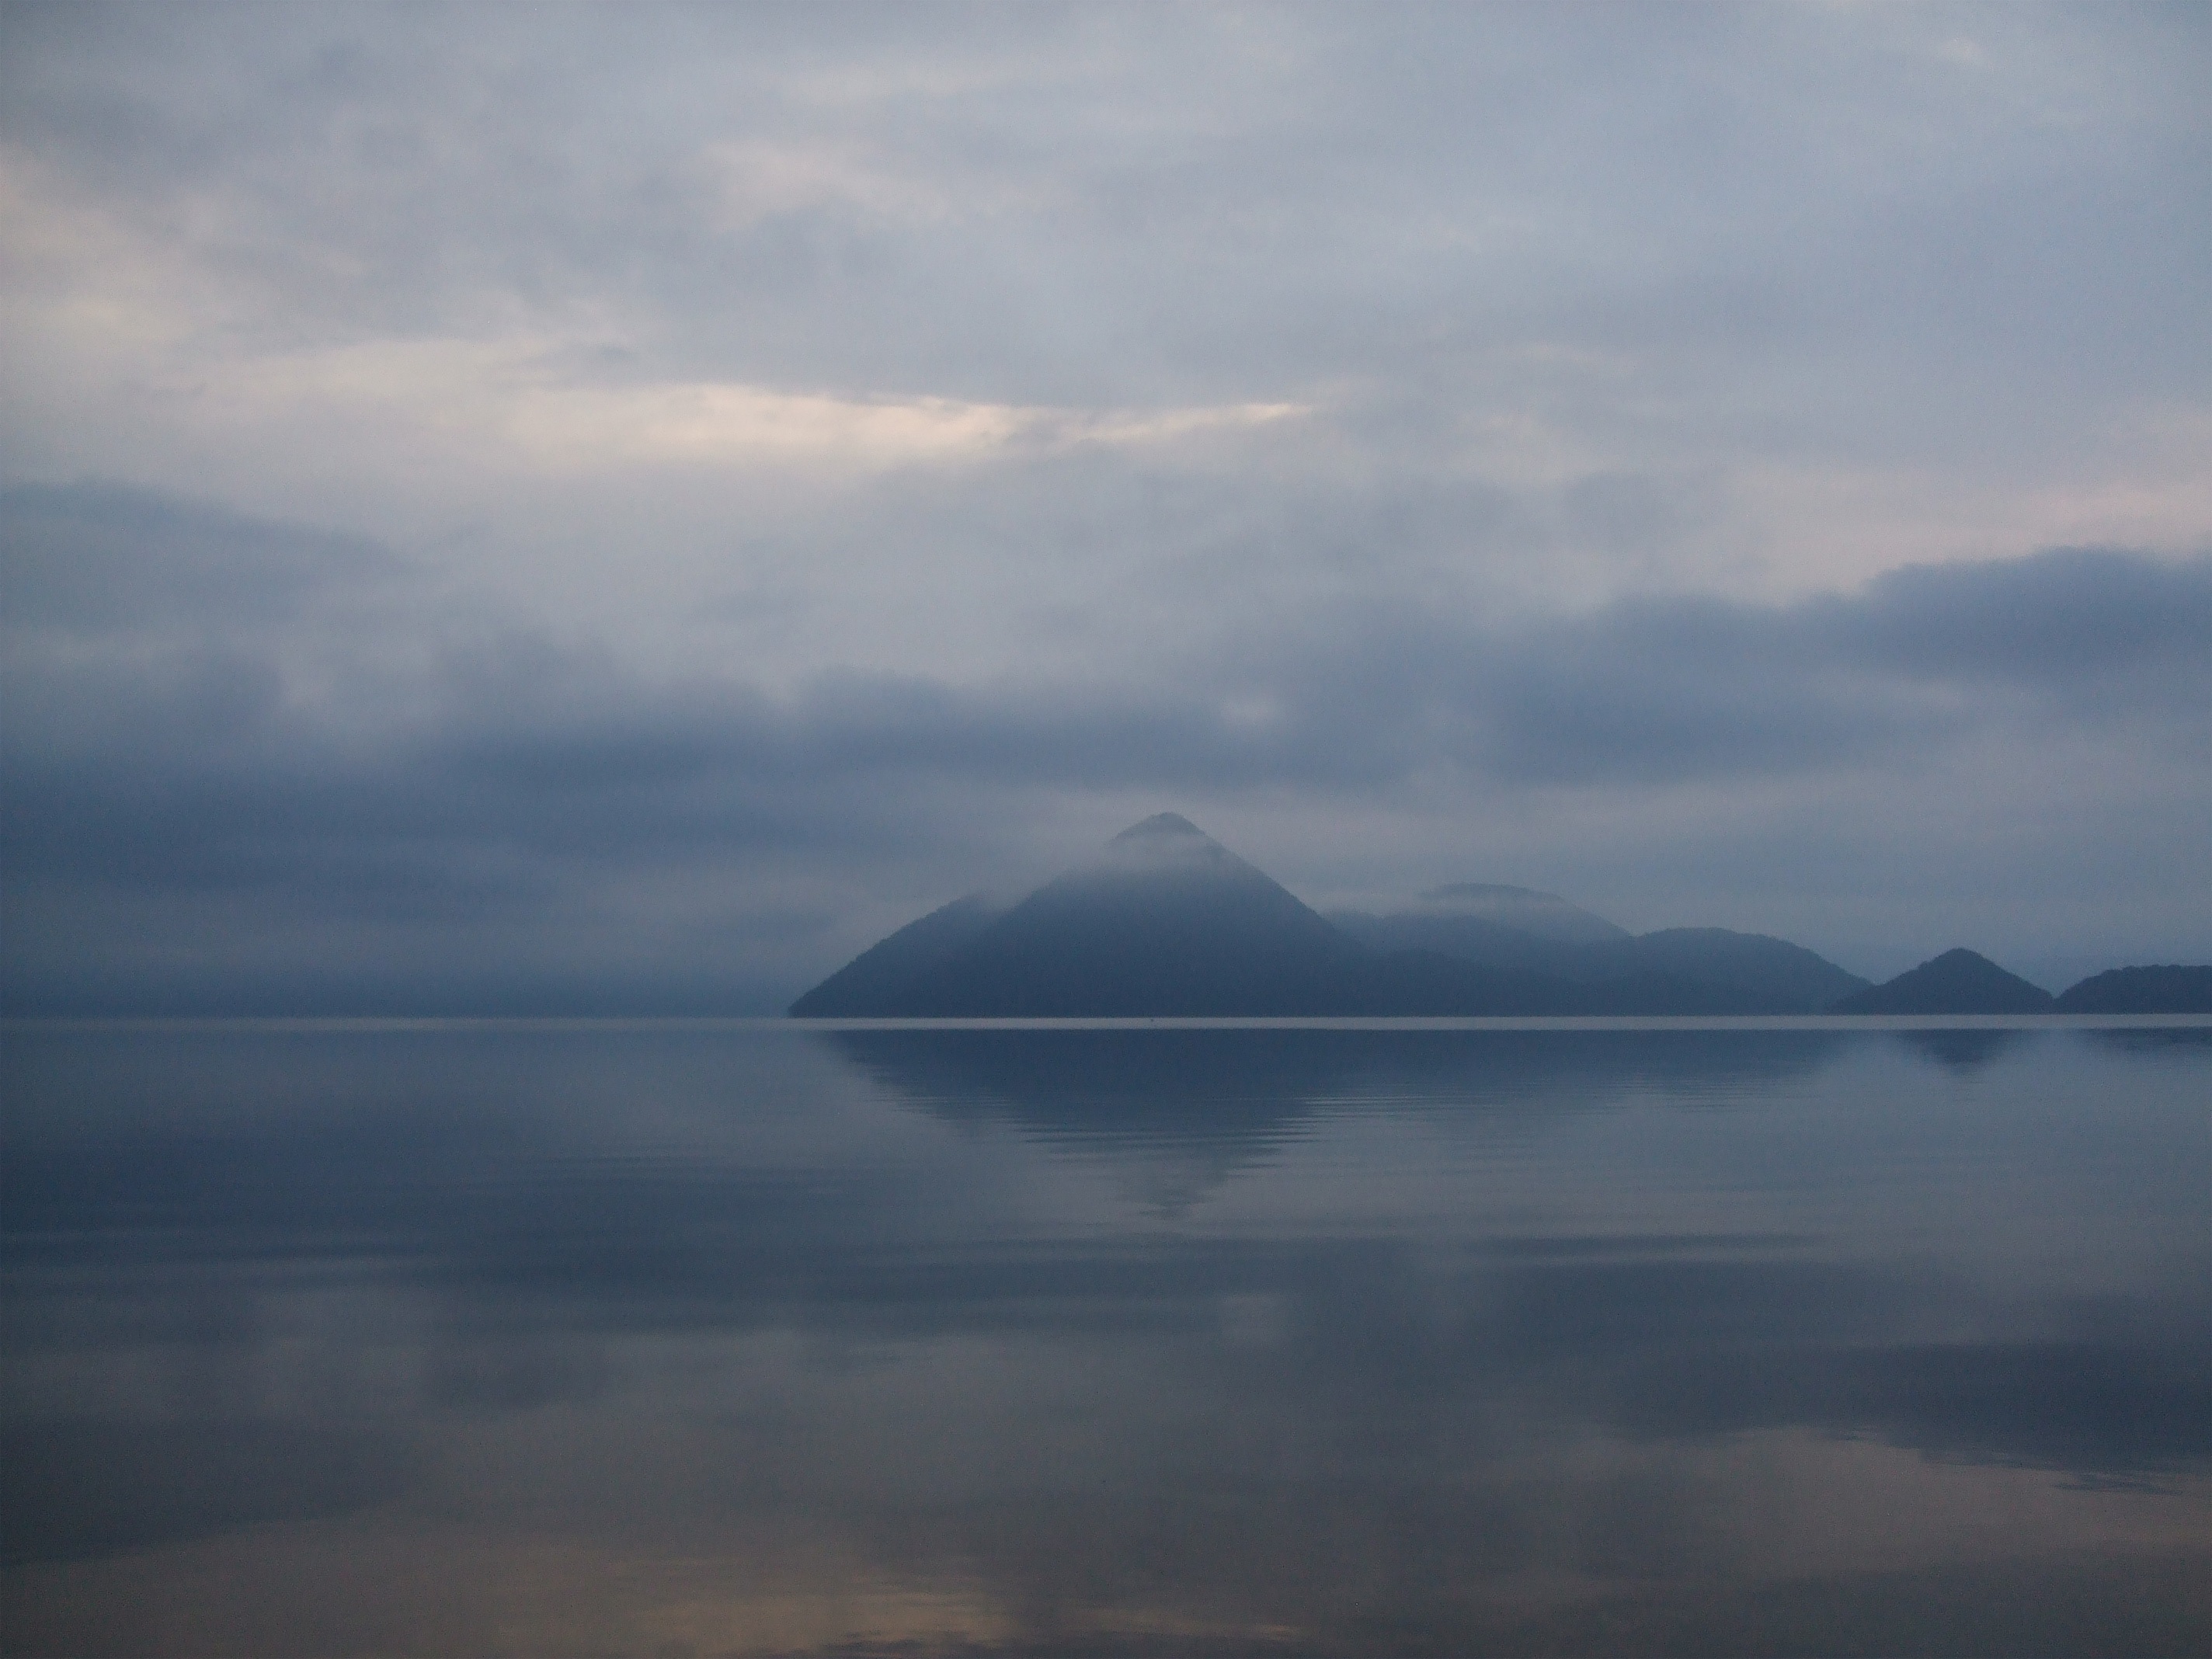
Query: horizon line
x,y
311,1023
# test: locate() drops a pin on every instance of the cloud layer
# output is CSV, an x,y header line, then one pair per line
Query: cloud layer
x,y
633,506
365,801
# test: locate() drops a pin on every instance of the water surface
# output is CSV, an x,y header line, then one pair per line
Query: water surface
x,y
693,1340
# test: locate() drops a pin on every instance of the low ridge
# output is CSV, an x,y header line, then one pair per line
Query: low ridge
x,y
1735,973
1544,915
2171,988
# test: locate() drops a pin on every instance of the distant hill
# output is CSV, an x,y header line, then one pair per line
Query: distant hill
x,y
2162,990
1740,973
1431,982
1544,915
1168,921
1495,925
1957,983
1469,937
1785,978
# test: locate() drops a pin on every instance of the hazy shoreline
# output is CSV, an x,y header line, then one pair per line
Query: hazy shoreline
x,y
1118,1023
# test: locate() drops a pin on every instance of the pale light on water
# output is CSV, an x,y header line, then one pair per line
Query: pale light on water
x,y
688,1341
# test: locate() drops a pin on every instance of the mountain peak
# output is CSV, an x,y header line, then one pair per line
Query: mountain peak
x,y
1165,843
1165,921
1158,826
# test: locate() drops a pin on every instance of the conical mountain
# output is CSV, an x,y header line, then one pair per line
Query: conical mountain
x,y
1957,983
1166,920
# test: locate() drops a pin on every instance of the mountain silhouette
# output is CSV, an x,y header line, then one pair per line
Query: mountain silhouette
x,y
1957,983
1168,921
1546,915
2160,990
1785,978
1739,973
880,975
1469,937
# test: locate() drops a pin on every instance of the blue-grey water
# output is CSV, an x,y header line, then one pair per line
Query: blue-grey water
x,y
669,1340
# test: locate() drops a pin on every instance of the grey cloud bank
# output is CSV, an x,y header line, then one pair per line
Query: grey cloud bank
x,y
194,820
619,508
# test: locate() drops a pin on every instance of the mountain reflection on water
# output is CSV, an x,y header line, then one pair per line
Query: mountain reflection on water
x,y
669,1341
1181,1110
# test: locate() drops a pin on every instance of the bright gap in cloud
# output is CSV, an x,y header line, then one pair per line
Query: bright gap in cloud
x,y
502,397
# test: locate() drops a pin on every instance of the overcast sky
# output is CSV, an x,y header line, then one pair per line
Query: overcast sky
x,y
619,508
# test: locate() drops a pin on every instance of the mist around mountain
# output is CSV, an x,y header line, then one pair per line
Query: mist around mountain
x,y
1168,921
1546,915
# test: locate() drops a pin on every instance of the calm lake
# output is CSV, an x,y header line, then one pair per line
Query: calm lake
x,y
690,1340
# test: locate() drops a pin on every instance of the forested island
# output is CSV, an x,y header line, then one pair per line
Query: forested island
x,y
1166,922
